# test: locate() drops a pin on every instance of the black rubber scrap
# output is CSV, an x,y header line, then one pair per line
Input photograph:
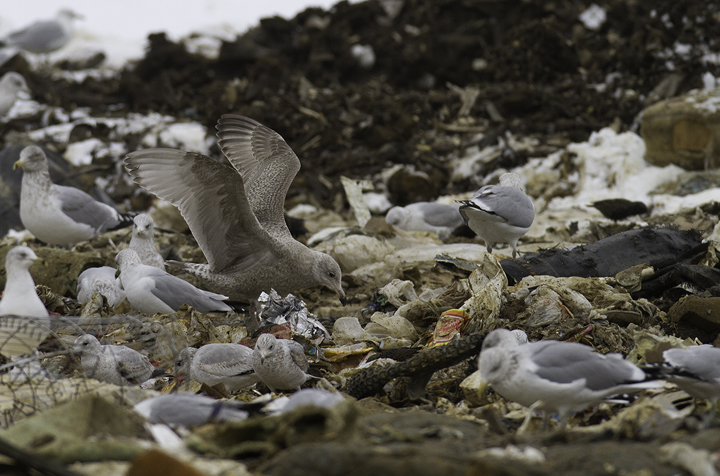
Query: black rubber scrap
x,y
419,367
657,246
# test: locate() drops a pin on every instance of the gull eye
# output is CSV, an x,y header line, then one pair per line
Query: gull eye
x,y
332,274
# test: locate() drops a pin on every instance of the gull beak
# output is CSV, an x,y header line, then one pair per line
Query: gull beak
x,y
18,164
483,387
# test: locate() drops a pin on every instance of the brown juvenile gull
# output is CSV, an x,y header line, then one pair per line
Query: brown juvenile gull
x,y
24,321
280,363
236,213
56,214
115,364
499,213
45,36
152,290
555,376
100,280
143,242
211,364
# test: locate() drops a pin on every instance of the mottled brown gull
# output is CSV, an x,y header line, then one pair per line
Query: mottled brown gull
x,y
236,213
115,364
212,364
143,241
280,363
24,321
57,214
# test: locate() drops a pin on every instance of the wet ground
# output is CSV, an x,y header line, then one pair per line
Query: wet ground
x,y
447,75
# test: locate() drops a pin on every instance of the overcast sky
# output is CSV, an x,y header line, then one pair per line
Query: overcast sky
x,y
132,19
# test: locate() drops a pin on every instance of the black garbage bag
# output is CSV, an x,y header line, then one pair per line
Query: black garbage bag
x,y
659,247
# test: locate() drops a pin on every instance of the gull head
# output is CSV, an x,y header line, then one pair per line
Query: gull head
x,y
397,216
326,271
20,257
498,357
13,83
66,14
143,226
127,258
183,361
32,159
265,346
86,343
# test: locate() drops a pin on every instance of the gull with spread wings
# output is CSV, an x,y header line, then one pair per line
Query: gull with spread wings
x,y
236,213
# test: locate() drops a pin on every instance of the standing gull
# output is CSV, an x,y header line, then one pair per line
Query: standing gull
x,y
555,376
439,218
114,364
57,214
212,364
11,84
45,36
152,290
499,213
280,363
236,213
143,243
24,321
100,280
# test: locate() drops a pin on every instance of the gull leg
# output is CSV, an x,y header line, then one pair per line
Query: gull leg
x,y
528,416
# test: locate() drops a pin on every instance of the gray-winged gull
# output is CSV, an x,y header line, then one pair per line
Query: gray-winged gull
x,y
499,213
236,213
24,320
188,409
211,364
57,214
11,84
439,218
115,364
45,36
152,290
100,280
143,242
695,369
280,363
555,376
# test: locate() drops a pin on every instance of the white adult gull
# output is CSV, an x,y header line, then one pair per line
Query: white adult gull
x,y
57,214
143,242
11,84
24,320
100,280
212,364
115,364
499,213
45,36
280,363
439,218
188,409
555,376
235,212
152,290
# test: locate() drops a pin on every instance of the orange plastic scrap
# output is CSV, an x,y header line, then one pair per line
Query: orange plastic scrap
x,y
450,325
